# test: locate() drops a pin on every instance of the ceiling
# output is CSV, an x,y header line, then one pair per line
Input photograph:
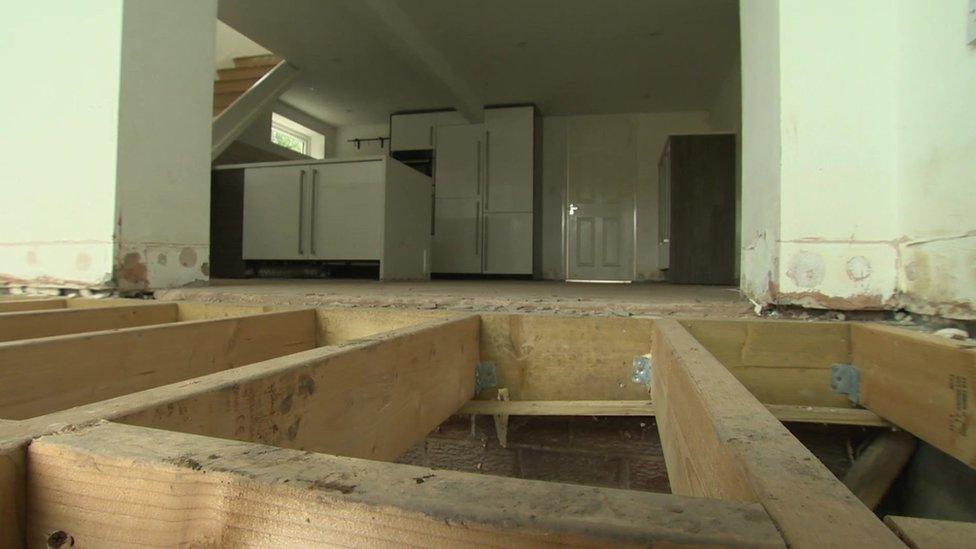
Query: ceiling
x,y
566,56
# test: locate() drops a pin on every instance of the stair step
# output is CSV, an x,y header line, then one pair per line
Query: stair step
x,y
242,73
218,110
224,86
256,61
225,99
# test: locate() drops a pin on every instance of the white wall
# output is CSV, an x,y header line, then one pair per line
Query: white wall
x,y
163,189
650,131
864,143
345,133
58,158
936,158
231,44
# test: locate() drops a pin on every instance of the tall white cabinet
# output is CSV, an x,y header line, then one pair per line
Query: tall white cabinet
x,y
485,177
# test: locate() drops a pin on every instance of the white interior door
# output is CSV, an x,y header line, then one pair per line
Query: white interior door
x,y
601,174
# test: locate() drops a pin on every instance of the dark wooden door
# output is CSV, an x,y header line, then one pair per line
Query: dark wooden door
x,y
702,173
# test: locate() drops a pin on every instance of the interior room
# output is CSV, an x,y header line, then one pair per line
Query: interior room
x,y
450,273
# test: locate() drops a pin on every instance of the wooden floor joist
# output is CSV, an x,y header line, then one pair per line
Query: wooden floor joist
x,y
720,442
878,466
112,483
921,533
41,376
783,412
923,383
54,322
19,305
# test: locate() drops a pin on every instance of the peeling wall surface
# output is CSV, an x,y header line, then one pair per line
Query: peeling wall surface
x,y
163,186
877,156
57,164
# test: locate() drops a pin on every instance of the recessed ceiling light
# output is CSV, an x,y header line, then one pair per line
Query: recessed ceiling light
x,y
522,44
654,33
336,60
349,110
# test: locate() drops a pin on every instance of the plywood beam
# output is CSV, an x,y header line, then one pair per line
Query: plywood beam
x,y
46,375
923,383
878,466
102,485
785,413
920,533
720,442
54,322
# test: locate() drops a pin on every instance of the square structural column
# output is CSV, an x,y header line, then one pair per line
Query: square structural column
x,y
105,170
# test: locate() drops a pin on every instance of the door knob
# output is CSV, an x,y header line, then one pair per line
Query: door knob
x,y
573,208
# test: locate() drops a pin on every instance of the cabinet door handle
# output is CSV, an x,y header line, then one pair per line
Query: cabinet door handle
x,y
301,210
477,181
487,167
484,242
477,229
314,209
430,138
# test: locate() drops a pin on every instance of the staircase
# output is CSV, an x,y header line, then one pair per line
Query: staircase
x,y
232,83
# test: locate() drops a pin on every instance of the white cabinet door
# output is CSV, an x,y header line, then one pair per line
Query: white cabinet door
x,y
459,161
346,220
509,148
412,132
508,243
274,212
457,240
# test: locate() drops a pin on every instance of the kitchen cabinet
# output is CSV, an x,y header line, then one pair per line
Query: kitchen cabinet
x,y
457,240
507,243
274,211
485,178
510,153
364,209
416,131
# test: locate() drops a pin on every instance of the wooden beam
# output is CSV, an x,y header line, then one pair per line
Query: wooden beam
x,y
374,399
46,375
395,27
878,466
779,361
104,485
54,322
13,494
920,533
720,442
17,305
785,413
923,383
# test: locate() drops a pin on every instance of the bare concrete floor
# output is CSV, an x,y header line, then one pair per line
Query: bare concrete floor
x,y
649,298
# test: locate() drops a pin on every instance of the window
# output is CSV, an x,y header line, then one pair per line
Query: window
x,y
289,139
291,135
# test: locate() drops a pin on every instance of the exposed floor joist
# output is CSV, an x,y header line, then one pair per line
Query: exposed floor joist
x,y
921,533
105,484
923,383
18,305
42,376
54,322
720,442
783,412
878,466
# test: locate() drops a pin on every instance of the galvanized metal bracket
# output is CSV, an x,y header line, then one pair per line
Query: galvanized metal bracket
x,y
845,379
484,376
642,371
